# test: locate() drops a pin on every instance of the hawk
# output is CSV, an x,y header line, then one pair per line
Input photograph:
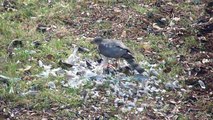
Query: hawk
x,y
115,49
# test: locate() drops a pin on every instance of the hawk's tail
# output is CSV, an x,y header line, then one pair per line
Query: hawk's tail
x,y
134,65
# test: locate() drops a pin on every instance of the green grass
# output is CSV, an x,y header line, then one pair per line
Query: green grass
x,y
167,54
45,97
103,25
142,9
190,41
21,24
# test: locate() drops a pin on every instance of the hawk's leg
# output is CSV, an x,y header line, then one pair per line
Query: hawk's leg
x,y
104,63
117,62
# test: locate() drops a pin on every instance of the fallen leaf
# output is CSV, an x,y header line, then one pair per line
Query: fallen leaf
x,y
123,34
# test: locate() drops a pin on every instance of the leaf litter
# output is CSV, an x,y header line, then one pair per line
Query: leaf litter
x,y
132,93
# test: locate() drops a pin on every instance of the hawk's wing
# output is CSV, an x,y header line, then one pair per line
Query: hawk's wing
x,y
113,49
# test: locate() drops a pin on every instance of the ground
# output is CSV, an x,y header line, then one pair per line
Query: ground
x,y
174,36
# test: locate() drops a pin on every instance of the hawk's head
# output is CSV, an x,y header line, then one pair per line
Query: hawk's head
x,y
97,40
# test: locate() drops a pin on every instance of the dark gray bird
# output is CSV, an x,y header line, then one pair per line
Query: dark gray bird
x,y
115,49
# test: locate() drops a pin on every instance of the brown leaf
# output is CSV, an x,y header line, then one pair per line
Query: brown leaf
x,y
167,69
123,35
50,57
117,10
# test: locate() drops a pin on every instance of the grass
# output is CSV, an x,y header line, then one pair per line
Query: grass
x,y
140,9
21,24
103,25
143,9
